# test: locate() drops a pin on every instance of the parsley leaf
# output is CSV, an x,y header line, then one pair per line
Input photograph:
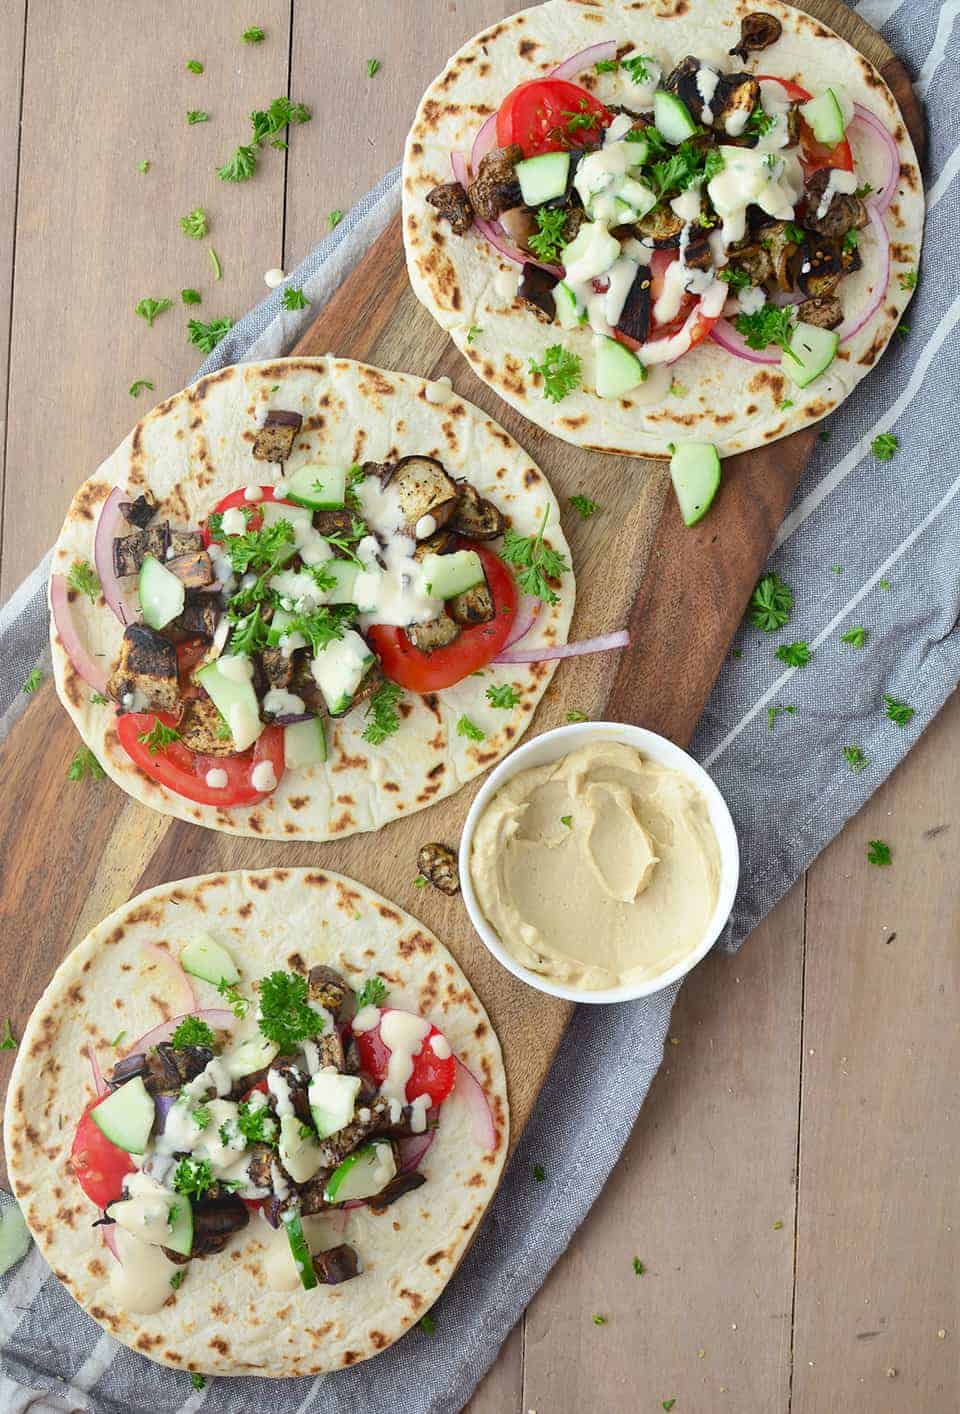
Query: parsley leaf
x,y
539,1173
575,716
795,655
190,297
768,325
374,992
256,1123
636,67
855,758
195,66
241,166
598,1320
294,299
548,239
884,446
197,1380
143,166
205,337
83,578
908,279
193,1177
286,1016
98,700
215,262
33,681
255,548
851,240
584,507
580,121
638,1267
898,712
159,737
537,561
505,696
8,1042
770,603
197,115
856,636
85,764
231,994
472,332
427,1323
334,217
148,309
193,1031
879,853
201,1116
253,35
176,1281
467,728
138,385
383,719
863,191
759,123
606,66
373,67
560,371
736,279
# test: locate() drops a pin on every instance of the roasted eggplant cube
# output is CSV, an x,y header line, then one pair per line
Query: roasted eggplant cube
x,y
336,1265
825,311
821,267
442,542
214,1223
277,667
141,511
438,633
535,290
147,666
330,990
130,551
453,204
495,187
475,516
198,620
274,442
334,522
845,212
260,1166
202,729
736,96
397,1187
757,31
634,318
428,496
184,542
438,864
662,226
473,606
167,1068
194,571
682,81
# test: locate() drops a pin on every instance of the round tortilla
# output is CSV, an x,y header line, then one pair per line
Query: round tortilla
x,y
195,448
224,1319
464,282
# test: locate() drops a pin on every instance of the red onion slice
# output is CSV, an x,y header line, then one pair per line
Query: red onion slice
x,y
528,611
881,199
83,663
593,54
470,1090
603,644
217,1017
484,142
855,322
174,979
729,338
100,1086
110,1239
107,528
412,1150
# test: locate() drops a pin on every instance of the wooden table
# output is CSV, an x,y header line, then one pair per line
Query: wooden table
x,y
791,1187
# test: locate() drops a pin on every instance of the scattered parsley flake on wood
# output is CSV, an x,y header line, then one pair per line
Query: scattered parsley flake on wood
x,y
584,507
884,445
195,66
879,853
33,681
855,758
577,716
194,225
294,299
898,712
197,115
668,1404
638,1267
241,166
138,386
85,764
205,337
795,655
253,35
148,309
770,603
8,1042
856,636
189,297
421,881
777,1225
215,262
334,218
143,166
373,67
598,1320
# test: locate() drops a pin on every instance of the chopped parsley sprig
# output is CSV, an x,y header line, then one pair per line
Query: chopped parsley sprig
x,y
266,123
193,1177
549,238
536,560
768,325
770,603
159,737
193,1031
85,764
286,1016
374,992
561,371
205,337
383,719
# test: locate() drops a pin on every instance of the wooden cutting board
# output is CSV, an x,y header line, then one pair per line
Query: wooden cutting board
x,y
69,853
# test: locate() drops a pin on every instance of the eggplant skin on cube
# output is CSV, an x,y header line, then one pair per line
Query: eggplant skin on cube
x,y
428,496
438,633
274,442
147,665
474,516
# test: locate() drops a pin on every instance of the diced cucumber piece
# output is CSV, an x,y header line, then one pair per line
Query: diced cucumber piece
x,y
810,351
281,621
162,595
345,573
695,472
299,1249
300,517
637,196
323,488
364,1173
207,959
672,118
543,178
825,115
162,1219
618,369
445,576
639,152
235,700
14,1237
570,313
332,1099
338,670
298,1150
591,252
304,744
253,1054
126,1116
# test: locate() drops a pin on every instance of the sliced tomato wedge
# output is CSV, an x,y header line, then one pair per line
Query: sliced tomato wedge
x,y
98,1165
184,771
813,155
477,646
550,115
239,498
432,1075
662,260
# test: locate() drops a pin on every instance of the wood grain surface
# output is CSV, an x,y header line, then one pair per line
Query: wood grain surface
x,y
812,1079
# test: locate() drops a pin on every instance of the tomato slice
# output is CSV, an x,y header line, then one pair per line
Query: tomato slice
x,y
432,1075
662,260
239,498
98,1165
184,771
550,115
813,154
477,646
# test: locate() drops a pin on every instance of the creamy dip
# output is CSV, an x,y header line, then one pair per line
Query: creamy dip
x,y
598,870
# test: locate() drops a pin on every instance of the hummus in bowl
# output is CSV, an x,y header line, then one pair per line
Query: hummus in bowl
x,y
599,862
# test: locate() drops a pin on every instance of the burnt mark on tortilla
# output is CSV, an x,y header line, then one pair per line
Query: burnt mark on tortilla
x,y
245,909
342,823
574,422
88,498
201,389
391,786
531,477
350,763
298,802
372,381
318,881
526,47
257,881
902,251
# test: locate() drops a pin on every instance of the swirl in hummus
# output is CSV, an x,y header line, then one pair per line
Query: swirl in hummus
x,y
598,870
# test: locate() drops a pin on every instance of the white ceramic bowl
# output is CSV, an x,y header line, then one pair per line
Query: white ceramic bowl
x,y
550,747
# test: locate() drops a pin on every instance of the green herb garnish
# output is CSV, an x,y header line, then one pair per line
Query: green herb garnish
x,y
374,992
770,603
584,507
505,696
383,719
286,1016
294,299
856,636
851,240
636,67
143,166
855,758
205,337
898,712
33,680
539,1173
231,994
537,561
241,166
373,67
638,1267
765,326
548,240
197,115
255,1123
253,35
195,66
85,764
193,1177
576,716
201,1116
98,699
138,386
560,370
795,655
879,853
334,217
759,123
908,279
598,1320
176,1281
197,1380
736,279
159,737
8,1042
427,1324
473,332
467,728
884,446
606,66
148,309
193,1031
